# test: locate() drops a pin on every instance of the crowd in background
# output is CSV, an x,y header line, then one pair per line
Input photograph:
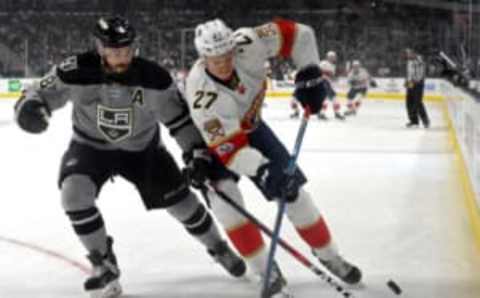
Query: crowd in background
x,y
37,34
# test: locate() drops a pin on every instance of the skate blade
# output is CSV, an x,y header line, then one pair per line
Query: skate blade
x,y
358,286
258,282
283,294
112,290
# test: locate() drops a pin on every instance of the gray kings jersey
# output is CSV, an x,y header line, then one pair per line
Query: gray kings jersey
x,y
117,112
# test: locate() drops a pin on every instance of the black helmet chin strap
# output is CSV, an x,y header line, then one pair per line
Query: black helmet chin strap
x,y
99,47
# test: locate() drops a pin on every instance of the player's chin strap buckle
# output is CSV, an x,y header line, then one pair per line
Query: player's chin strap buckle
x,y
309,83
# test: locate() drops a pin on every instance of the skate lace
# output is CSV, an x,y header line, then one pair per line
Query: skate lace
x,y
101,265
105,267
110,266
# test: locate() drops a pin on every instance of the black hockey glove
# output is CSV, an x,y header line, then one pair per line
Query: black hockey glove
x,y
373,84
276,183
198,163
32,115
310,89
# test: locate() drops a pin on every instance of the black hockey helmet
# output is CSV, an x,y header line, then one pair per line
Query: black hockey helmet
x,y
114,32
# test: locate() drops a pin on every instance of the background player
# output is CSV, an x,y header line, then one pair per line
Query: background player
x,y
117,101
329,67
294,105
359,80
225,92
295,109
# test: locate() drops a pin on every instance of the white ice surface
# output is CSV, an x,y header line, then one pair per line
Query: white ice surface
x,y
392,198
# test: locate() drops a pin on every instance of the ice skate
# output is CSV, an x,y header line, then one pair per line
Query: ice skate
x,y
411,125
322,116
342,269
350,112
426,123
294,115
339,116
104,281
228,259
277,287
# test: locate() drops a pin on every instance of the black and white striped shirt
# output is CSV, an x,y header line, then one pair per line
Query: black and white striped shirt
x,y
415,69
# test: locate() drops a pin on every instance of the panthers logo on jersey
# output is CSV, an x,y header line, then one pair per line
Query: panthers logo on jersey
x,y
115,124
215,129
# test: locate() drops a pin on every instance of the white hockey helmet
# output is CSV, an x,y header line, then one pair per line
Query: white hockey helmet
x,y
356,63
213,38
331,54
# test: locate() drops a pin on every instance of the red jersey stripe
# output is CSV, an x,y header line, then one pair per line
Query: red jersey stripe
x,y
227,149
288,31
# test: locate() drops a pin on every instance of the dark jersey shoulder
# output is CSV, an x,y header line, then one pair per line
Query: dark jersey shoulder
x,y
81,69
86,69
151,75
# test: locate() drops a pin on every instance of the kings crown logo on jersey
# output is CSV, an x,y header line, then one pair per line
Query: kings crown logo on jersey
x,y
115,124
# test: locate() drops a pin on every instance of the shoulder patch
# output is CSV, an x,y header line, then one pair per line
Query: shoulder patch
x,y
266,30
69,64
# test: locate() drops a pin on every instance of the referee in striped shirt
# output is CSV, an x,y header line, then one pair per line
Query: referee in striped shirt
x,y
415,83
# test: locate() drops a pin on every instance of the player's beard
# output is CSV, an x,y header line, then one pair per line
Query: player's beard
x,y
120,68
117,69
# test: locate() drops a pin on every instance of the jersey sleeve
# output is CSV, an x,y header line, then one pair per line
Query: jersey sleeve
x,y
410,69
350,77
288,39
51,89
365,75
170,109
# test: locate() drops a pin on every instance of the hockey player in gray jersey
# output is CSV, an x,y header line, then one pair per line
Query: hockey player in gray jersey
x,y
118,100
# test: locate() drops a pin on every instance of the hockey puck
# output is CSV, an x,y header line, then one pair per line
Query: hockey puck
x,y
394,287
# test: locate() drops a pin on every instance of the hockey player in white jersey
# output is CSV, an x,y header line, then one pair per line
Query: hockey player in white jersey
x,y
359,80
225,91
294,105
329,68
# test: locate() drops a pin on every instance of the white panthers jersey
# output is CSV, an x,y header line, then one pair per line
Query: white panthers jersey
x,y
358,78
328,69
226,112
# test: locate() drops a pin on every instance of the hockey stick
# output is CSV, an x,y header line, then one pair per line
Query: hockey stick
x,y
284,244
282,201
